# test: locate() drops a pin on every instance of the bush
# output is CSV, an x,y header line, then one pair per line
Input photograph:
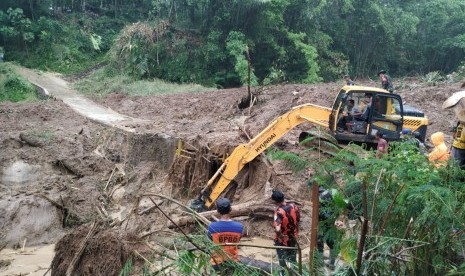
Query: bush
x,y
15,88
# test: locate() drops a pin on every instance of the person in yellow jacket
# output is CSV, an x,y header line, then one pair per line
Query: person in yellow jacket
x,y
458,146
440,154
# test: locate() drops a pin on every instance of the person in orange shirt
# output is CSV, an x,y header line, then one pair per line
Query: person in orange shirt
x,y
223,232
286,226
382,147
440,154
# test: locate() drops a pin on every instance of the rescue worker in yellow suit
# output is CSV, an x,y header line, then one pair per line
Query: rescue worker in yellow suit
x,y
440,154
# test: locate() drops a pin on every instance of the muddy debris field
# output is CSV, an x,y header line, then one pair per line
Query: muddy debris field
x,y
65,179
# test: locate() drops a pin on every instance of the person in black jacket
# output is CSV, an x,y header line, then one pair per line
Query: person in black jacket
x,y
348,80
327,219
385,81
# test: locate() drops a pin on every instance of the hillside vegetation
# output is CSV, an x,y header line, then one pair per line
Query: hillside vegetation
x,y
205,41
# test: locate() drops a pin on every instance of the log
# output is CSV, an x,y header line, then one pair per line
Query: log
x,y
251,209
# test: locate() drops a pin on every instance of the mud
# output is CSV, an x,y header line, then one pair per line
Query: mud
x,y
105,253
99,173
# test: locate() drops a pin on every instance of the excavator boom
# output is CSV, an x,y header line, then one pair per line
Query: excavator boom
x,y
244,153
384,112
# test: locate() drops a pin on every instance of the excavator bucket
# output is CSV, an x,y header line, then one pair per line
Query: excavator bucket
x,y
197,205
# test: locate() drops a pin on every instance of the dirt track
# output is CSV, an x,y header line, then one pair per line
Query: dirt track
x,y
50,154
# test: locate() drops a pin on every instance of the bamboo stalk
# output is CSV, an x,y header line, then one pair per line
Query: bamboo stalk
x,y
374,200
314,228
259,246
386,216
363,233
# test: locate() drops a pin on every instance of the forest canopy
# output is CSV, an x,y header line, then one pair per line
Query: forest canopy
x,y
205,41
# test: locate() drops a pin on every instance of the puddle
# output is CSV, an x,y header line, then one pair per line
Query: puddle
x,y
33,261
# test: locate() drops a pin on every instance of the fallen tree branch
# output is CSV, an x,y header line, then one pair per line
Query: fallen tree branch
x,y
180,229
66,212
109,179
200,217
245,209
148,209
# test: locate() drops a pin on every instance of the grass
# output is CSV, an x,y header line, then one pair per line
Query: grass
x,y
13,87
103,82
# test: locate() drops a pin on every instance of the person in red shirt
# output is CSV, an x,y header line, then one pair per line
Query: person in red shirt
x,y
286,226
223,232
382,147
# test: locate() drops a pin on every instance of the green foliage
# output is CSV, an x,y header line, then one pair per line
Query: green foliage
x,y
66,45
16,26
294,41
294,161
432,78
14,88
127,268
310,55
458,75
237,48
415,210
105,81
132,48
189,263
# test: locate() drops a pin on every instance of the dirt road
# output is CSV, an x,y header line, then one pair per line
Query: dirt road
x,y
56,87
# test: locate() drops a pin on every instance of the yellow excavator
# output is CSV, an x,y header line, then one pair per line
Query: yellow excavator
x,y
357,114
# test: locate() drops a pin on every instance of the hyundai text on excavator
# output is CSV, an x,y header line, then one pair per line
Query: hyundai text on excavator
x,y
378,109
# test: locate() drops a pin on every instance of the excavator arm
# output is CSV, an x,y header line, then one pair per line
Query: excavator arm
x,y
244,153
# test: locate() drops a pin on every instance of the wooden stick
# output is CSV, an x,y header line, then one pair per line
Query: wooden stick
x,y
314,229
47,270
374,199
386,216
143,258
24,245
363,232
61,207
109,179
180,229
194,213
148,209
77,256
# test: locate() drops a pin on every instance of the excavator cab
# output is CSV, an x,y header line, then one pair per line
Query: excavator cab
x,y
358,114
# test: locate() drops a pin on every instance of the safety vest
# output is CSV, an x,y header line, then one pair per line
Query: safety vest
x,y
459,141
223,232
288,216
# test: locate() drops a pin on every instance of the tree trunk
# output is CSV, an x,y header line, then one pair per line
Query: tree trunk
x,y
245,209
